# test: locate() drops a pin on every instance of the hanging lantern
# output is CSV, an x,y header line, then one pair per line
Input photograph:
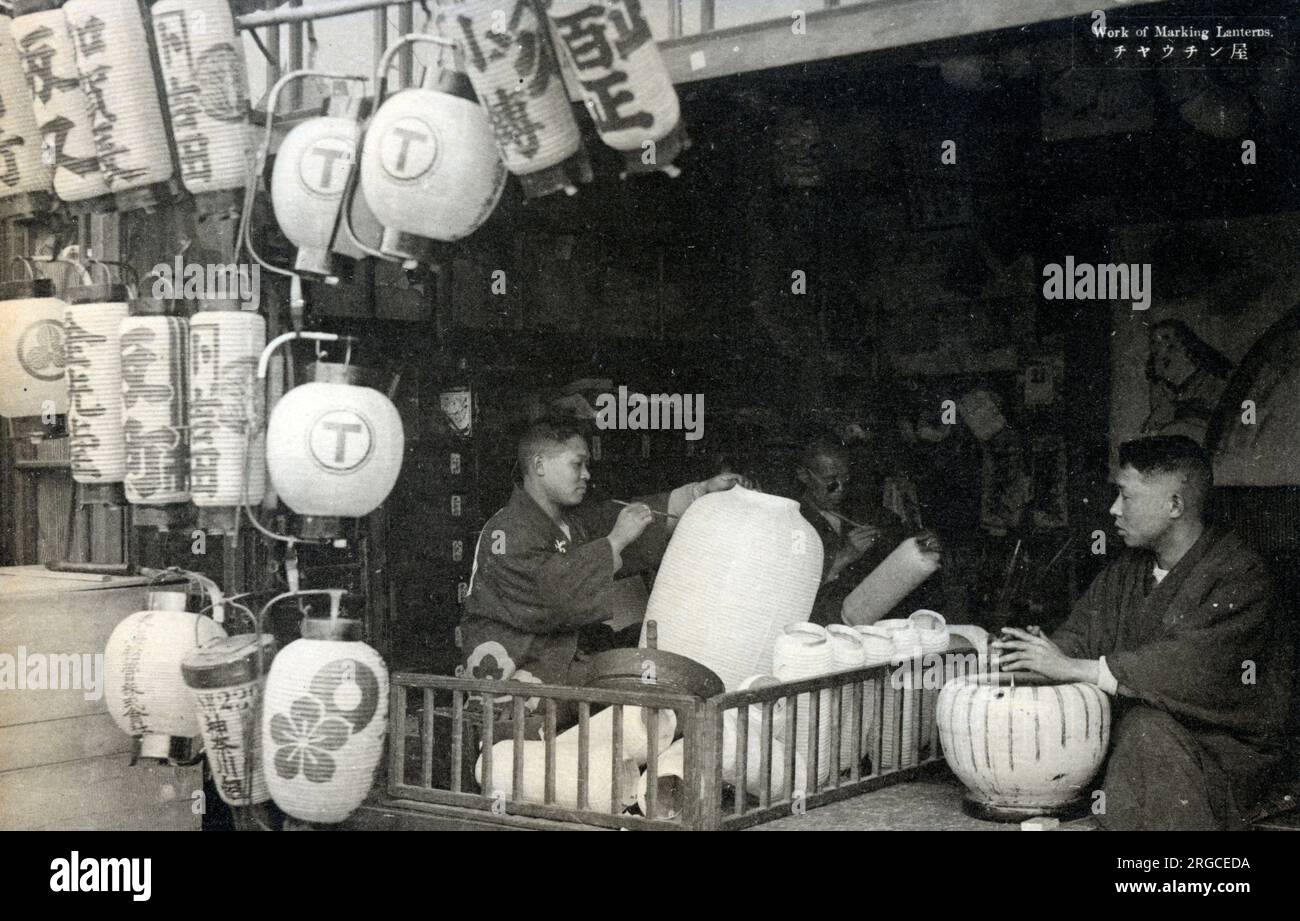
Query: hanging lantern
x,y
25,179
226,684
116,66
325,717
223,392
206,83
92,322
33,362
143,685
516,75
334,449
625,84
153,409
429,165
59,104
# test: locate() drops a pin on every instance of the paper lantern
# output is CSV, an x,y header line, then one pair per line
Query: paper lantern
x,y
33,359
600,777
804,651
226,686
1026,750
206,84
671,789
92,322
153,409
58,101
429,165
223,391
849,651
752,782
898,575
143,685
741,566
516,75
307,185
625,84
334,449
25,179
324,721
117,74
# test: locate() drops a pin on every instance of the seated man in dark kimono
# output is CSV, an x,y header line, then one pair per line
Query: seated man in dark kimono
x,y
544,570
1182,630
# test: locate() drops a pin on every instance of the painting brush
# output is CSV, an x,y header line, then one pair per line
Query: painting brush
x,y
652,511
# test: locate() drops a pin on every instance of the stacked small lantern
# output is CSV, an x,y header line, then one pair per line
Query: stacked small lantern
x,y
153,409
92,322
25,181
33,363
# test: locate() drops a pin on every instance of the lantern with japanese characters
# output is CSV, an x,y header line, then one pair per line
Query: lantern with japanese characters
x,y
115,61
514,70
325,718
206,84
25,180
33,363
625,84
92,324
59,105
153,409
429,165
310,176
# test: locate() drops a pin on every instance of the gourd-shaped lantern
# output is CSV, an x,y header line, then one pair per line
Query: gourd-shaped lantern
x,y
153,408
143,686
59,103
226,679
115,61
333,448
740,568
324,719
25,180
625,84
206,83
429,165
33,362
92,324
516,75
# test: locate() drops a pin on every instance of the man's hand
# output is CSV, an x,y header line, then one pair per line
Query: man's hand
x,y
859,541
1030,651
724,481
630,523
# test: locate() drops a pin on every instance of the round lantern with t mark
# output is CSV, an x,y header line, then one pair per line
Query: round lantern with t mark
x,y
33,365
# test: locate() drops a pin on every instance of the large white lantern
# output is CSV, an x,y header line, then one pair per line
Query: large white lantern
x,y
307,185
153,409
92,323
25,180
33,361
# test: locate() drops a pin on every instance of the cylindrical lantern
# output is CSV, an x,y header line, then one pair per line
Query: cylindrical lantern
x,y
898,575
25,180
740,568
849,651
92,322
226,685
204,77
334,449
59,104
143,686
310,176
324,721
153,409
224,391
625,84
804,651
1026,749
516,75
116,66
33,361
429,165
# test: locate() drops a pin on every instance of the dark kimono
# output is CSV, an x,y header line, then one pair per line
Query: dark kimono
x,y
1204,670
534,588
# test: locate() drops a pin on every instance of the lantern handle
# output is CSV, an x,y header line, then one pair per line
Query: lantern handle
x,y
386,60
286,337
349,196
29,265
133,286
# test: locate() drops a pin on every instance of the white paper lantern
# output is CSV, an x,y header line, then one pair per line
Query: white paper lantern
x,y
59,103
849,651
22,170
897,576
224,389
804,651
153,409
310,176
92,322
600,777
115,62
741,566
33,358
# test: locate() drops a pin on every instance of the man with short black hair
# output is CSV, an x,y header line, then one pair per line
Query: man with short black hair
x,y
1182,631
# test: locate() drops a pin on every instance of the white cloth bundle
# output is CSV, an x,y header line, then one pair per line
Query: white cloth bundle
x,y
670,784
889,583
804,651
600,776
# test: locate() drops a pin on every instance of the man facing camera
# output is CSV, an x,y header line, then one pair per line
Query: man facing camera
x,y
1182,631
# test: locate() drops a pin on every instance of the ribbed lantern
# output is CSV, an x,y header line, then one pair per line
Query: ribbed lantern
x,y
512,64
153,409
740,568
143,685
804,650
115,61
59,103
33,358
92,323
224,390
310,176
25,179
429,165
226,685
206,83
324,719
625,84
